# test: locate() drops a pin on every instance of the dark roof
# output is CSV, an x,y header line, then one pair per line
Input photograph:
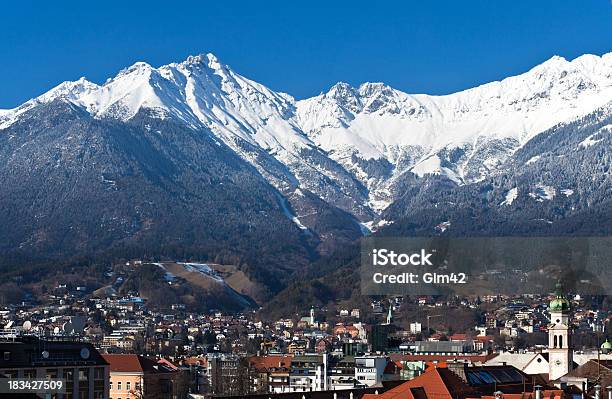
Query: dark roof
x,y
490,375
30,351
595,371
604,363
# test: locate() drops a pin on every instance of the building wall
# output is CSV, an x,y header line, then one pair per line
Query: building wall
x,y
126,385
369,369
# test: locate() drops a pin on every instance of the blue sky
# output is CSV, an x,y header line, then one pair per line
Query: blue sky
x,y
298,47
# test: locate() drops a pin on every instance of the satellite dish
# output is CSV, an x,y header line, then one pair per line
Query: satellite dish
x,y
45,354
27,325
67,328
85,353
56,330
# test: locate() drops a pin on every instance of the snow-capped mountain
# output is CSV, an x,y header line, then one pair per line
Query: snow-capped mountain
x,y
193,161
353,148
558,183
257,123
464,136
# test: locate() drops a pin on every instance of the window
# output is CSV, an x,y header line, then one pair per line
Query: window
x,y
69,377
29,373
10,373
98,385
83,374
99,373
7,356
119,386
127,386
110,386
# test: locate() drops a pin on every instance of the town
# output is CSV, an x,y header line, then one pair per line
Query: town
x,y
550,345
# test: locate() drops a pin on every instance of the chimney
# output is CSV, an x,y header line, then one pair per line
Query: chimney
x,y
609,389
538,392
597,389
458,368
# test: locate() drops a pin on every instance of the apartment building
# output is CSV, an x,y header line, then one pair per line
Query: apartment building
x,y
78,363
369,370
308,373
136,377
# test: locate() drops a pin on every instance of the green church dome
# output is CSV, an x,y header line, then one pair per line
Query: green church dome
x,y
560,303
607,345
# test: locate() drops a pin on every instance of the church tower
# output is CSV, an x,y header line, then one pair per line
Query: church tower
x,y
560,351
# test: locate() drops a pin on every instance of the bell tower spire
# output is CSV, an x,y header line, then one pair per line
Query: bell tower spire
x,y
560,351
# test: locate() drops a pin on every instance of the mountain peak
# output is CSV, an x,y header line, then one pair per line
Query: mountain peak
x,y
341,90
586,63
556,59
136,69
341,86
70,90
370,88
212,58
204,60
137,66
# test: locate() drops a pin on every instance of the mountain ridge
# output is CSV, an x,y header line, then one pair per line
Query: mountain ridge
x,y
352,147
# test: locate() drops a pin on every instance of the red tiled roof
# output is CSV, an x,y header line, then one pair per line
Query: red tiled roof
x,y
123,363
431,381
264,363
135,364
167,363
193,361
443,383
